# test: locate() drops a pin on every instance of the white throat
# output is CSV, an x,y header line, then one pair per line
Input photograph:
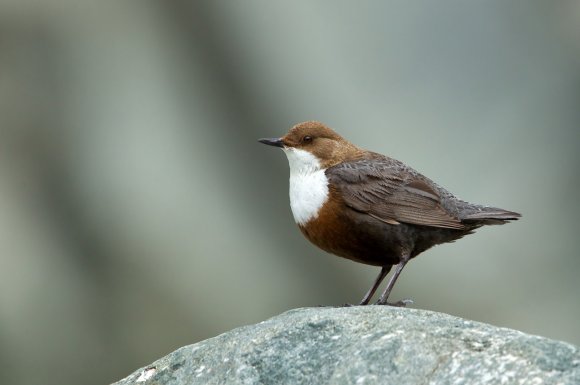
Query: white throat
x,y
308,185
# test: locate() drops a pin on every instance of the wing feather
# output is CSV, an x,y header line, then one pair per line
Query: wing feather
x,y
387,190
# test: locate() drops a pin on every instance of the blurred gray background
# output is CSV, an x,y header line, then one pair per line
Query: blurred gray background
x,y
138,213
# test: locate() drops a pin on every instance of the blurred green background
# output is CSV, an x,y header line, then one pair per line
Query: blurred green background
x,y
138,213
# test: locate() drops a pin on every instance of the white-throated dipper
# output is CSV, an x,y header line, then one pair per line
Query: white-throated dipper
x,y
370,208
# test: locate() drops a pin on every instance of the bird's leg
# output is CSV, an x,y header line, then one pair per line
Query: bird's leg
x,y
384,271
391,284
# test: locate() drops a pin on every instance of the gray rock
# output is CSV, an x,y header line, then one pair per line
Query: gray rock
x,y
367,345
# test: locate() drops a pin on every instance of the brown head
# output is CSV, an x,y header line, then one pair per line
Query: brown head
x,y
314,138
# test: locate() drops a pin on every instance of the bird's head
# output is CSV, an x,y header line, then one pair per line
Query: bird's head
x,y
312,146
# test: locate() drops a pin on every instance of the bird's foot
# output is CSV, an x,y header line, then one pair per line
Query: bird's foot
x,y
401,303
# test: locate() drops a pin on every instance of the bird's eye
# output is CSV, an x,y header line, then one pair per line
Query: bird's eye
x,y
307,139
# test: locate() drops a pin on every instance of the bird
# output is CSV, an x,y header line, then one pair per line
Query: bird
x,y
371,208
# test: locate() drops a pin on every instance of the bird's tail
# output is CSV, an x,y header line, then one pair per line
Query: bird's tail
x,y
490,216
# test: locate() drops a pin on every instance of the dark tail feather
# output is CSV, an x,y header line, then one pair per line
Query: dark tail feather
x,y
491,216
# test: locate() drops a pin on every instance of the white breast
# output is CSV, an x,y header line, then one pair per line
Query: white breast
x,y
308,185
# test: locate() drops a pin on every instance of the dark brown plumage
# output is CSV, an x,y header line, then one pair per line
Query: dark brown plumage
x,y
376,210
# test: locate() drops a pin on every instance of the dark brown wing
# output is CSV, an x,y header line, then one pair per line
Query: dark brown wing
x,y
389,191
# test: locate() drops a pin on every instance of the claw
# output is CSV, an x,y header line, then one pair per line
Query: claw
x,y
401,303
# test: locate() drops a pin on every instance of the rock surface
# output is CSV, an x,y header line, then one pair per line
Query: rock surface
x,y
367,345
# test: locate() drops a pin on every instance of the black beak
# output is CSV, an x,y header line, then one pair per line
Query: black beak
x,y
276,142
